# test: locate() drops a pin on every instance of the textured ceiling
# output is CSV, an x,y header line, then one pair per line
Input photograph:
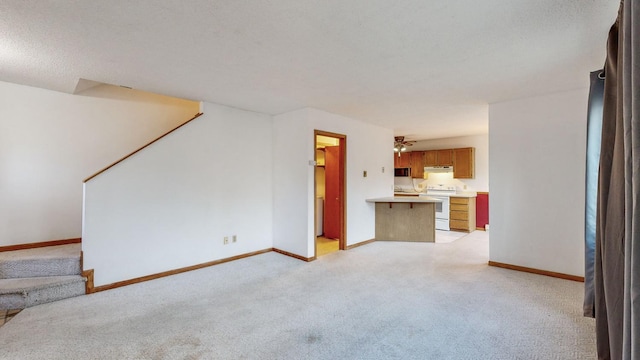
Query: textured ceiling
x,y
425,68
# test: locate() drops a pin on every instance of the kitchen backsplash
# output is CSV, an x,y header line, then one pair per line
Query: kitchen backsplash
x,y
407,183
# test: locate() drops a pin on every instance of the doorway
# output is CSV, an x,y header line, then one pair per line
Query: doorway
x,y
330,192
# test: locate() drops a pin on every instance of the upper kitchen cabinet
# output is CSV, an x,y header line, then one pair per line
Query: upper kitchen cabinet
x,y
445,157
442,157
463,163
417,164
402,161
431,158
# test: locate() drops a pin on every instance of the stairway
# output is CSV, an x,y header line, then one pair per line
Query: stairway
x,y
37,276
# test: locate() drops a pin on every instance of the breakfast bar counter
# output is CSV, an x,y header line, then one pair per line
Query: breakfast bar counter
x,y
405,218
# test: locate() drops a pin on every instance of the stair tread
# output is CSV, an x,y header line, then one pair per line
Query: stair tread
x,y
48,252
26,284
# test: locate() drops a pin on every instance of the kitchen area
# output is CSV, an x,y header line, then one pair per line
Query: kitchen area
x,y
442,174
446,179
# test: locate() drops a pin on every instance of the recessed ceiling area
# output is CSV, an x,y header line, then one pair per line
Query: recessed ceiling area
x,y
427,69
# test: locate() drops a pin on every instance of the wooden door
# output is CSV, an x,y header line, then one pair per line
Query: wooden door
x,y
333,190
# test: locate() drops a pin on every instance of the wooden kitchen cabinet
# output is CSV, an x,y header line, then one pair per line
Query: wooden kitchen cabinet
x,y
431,158
403,161
417,164
462,213
443,157
462,160
463,163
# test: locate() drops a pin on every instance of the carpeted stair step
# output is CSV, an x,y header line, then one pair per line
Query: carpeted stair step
x,y
25,292
59,260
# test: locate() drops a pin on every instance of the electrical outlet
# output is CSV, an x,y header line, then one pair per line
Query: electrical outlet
x,y
226,240
364,173
383,169
234,238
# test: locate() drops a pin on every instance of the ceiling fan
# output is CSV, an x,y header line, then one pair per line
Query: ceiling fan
x,y
400,145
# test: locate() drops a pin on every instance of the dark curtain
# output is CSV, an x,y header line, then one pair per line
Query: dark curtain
x,y
617,253
594,134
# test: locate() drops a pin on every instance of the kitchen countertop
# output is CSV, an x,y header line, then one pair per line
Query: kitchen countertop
x,y
465,194
406,193
415,194
405,199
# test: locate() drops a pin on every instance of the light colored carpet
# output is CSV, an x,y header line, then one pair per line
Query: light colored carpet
x,y
385,300
46,261
59,251
36,276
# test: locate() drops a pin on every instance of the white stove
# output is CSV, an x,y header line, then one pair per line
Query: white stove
x,y
441,189
442,192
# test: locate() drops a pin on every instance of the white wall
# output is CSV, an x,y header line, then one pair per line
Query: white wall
x,y
481,144
170,205
537,149
290,183
51,141
368,148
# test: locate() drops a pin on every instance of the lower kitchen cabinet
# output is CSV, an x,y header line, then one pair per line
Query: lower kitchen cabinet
x,y
462,213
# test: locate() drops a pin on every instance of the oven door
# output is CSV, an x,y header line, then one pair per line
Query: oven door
x,y
442,212
442,208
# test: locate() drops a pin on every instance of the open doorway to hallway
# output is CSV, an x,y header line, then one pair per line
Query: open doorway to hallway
x,y
330,156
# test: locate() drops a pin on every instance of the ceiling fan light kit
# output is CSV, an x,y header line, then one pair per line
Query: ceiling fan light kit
x,y
400,145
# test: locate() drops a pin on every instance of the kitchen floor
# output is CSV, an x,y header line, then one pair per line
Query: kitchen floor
x,y
444,237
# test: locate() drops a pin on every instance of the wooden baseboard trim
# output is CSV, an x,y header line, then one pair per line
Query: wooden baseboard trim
x,y
537,271
88,285
171,272
294,255
480,228
366,242
40,244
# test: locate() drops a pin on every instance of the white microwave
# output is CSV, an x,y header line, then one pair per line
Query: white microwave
x,y
402,172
